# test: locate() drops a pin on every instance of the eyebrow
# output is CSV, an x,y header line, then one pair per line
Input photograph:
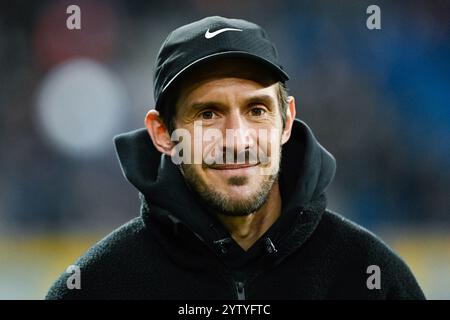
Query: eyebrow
x,y
261,98
206,105
214,105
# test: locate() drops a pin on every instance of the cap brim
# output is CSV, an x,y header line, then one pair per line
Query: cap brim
x,y
280,73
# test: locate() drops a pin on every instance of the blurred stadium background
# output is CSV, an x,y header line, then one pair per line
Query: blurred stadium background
x,y
378,100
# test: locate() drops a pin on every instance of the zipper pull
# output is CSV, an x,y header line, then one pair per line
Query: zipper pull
x,y
240,290
270,247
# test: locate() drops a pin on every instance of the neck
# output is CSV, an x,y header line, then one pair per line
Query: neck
x,y
246,230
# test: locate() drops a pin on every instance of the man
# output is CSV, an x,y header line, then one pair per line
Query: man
x,y
232,189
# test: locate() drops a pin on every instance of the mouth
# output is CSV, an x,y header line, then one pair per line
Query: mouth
x,y
232,166
228,171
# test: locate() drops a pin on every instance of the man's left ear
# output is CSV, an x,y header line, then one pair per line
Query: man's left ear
x,y
290,116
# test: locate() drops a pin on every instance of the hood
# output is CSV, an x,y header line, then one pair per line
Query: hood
x,y
306,170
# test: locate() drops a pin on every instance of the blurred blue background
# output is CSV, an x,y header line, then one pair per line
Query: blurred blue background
x,y
377,99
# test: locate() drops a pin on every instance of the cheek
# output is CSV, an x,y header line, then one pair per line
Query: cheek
x,y
269,154
269,141
197,174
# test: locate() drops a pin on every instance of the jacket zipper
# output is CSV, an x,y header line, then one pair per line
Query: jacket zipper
x,y
240,290
239,285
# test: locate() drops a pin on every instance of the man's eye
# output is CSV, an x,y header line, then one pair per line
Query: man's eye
x,y
207,115
257,112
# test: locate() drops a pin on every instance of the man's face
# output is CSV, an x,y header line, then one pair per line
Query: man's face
x,y
250,110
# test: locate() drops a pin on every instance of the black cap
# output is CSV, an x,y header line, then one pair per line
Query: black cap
x,y
208,39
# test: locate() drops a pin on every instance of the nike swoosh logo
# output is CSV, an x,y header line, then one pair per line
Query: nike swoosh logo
x,y
209,35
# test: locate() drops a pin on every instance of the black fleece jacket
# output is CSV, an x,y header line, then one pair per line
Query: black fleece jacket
x,y
176,250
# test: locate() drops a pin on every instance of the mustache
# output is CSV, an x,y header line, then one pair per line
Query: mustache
x,y
214,156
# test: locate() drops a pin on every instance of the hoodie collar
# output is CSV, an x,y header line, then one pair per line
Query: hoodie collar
x,y
306,170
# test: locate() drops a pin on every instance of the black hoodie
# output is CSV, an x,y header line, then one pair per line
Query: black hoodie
x,y
177,250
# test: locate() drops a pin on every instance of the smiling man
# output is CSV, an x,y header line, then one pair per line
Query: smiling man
x,y
232,189
245,107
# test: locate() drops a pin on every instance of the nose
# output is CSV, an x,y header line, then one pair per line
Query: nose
x,y
238,136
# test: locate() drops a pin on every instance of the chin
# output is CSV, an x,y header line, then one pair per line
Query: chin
x,y
238,193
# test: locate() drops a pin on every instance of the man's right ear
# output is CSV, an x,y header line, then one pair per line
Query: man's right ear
x,y
158,132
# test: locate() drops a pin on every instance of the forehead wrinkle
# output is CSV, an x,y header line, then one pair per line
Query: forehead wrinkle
x,y
219,91
241,69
